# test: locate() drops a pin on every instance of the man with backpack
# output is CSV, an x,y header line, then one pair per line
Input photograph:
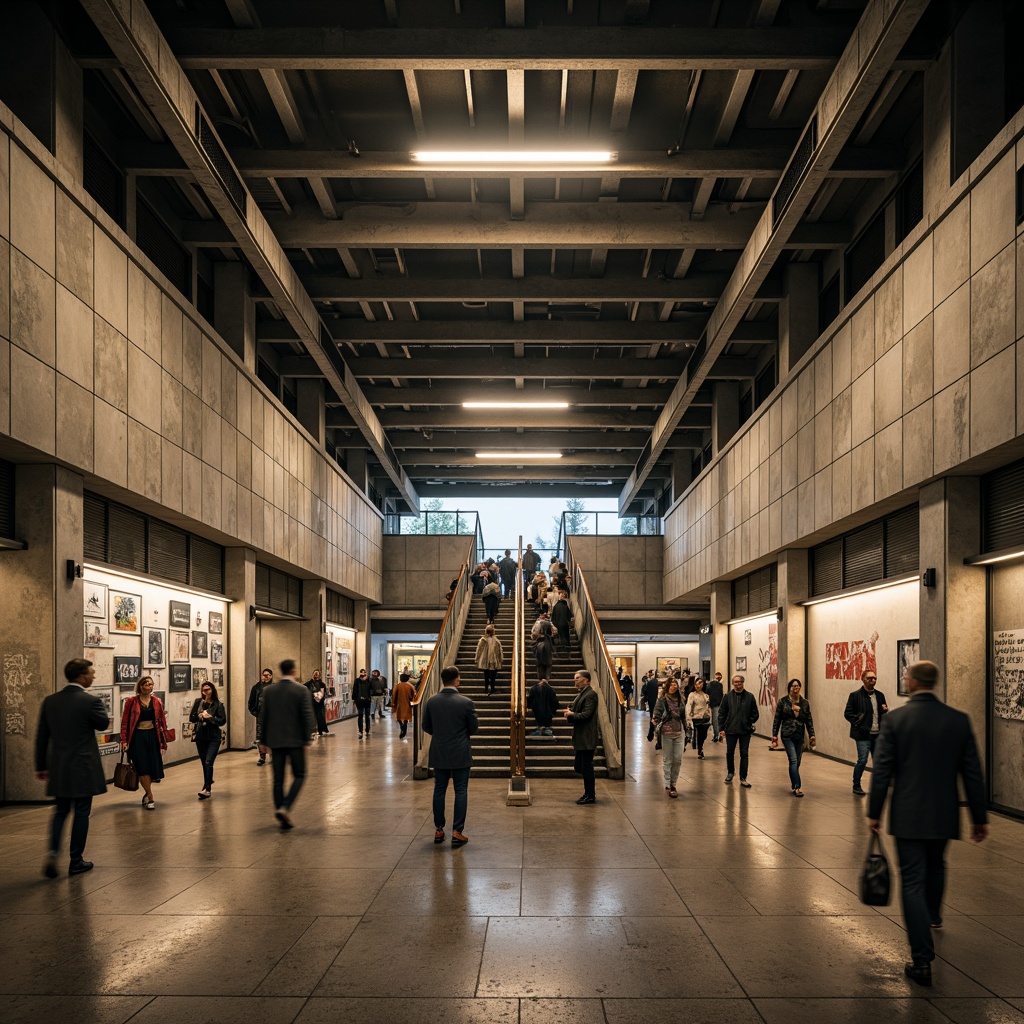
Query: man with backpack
x,y
378,693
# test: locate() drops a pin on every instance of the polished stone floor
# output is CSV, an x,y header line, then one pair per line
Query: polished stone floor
x,y
725,905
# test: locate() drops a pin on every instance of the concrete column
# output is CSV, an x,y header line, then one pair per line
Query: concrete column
x,y
682,472
311,408
721,611
798,314
41,611
794,580
355,466
68,139
243,670
938,127
234,311
725,413
954,611
311,631
363,653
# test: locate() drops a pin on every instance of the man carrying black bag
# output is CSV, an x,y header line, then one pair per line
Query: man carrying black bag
x,y
922,748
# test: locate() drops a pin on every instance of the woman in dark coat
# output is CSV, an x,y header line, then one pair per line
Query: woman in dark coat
x,y
544,652
543,702
318,690
209,717
144,735
792,717
492,598
561,617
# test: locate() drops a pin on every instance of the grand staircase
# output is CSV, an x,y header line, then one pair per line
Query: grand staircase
x,y
546,756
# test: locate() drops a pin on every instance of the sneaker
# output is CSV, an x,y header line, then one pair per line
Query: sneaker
x,y
150,805
700,756
744,784
50,866
262,761
458,839
439,835
360,735
284,818
857,791
728,777
549,732
204,794
79,867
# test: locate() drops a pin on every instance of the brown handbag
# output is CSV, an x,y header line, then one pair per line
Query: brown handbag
x,y
125,775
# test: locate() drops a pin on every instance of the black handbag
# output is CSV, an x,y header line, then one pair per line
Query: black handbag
x,y
125,775
875,889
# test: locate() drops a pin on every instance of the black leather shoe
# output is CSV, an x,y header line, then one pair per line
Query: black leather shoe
x,y
587,800
919,973
79,867
50,866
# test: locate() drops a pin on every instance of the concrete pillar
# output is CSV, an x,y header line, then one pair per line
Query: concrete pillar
x,y
794,581
355,466
311,408
41,611
954,612
682,472
363,653
311,631
798,314
725,413
68,139
938,128
234,311
243,670
721,611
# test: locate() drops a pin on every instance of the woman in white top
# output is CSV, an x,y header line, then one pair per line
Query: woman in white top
x,y
698,715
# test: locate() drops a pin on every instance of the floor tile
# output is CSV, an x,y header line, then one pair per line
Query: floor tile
x,y
392,1010
94,1009
451,885
206,1009
980,1011
848,1011
674,1011
599,892
302,967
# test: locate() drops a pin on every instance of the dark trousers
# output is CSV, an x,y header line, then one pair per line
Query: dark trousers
x,y
543,670
365,712
700,733
584,765
79,825
404,727
207,747
460,782
563,637
730,751
864,747
321,717
297,756
490,679
923,876
491,602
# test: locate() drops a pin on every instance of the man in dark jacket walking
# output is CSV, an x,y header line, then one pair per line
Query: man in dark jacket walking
x,y
649,692
288,724
716,691
362,697
255,703
922,749
864,710
543,702
507,571
737,715
583,718
68,760
531,563
449,718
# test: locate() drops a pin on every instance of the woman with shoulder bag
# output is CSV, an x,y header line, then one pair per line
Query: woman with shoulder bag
x,y
792,716
208,716
669,713
698,715
144,735
318,691
489,658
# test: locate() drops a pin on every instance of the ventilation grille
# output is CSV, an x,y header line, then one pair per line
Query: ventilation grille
x,y
220,162
103,179
207,568
790,179
157,242
1002,497
756,592
278,591
865,256
863,558
168,552
340,609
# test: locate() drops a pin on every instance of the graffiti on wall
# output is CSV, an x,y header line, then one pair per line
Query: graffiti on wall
x,y
17,679
768,670
850,659
1008,685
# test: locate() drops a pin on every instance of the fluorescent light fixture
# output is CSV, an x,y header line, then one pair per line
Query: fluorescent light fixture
x,y
896,581
518,456
768,613
513,156
994,557
515,405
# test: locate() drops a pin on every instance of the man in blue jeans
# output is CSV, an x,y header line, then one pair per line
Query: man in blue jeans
x,y
450,719
864,710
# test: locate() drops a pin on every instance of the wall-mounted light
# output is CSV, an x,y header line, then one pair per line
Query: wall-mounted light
x,y
705,629
73,570
928,578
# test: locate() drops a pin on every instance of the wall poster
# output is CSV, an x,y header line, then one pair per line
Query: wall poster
x,y
1008,685
907,652
850,659
768,670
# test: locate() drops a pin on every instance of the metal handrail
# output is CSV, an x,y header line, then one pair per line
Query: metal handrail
x,y
517,710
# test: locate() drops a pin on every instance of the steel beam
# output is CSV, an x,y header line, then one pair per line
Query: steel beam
x,y
539,440
456,394
497,367
436,459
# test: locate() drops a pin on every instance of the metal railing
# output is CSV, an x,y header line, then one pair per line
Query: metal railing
x,y
612,706
448,638
517,710
605,524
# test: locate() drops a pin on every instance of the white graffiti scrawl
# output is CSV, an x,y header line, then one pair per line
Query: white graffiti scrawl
x,y
17,678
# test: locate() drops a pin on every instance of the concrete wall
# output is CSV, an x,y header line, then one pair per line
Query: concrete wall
x,y
105,368
418,570
622,572
922,372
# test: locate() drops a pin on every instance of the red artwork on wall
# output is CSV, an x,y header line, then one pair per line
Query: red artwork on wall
x,y
850,659
768,670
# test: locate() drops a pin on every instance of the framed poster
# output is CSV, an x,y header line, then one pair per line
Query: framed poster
x,y
215,623
741,664
179,646
180,614
154,646
127,670
200,675
217,676
95,602
199,645
667,666
125,612
105,694
181,678
216,652
907,652
95,634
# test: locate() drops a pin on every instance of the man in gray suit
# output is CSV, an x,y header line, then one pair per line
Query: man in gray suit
x,y
287,722
450,719
583,716
922,748
68,760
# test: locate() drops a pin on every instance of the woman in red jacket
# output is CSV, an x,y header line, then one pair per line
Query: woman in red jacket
x,y
144,735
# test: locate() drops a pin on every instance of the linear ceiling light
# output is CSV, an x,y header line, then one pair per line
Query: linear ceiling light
x,y
513,156
515,405
518,456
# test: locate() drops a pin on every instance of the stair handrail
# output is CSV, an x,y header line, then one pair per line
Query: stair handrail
x,y
448,638
612,707
517,711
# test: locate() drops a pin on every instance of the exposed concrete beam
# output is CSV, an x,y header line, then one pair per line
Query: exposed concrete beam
x,y
554,489
882,31
140,48
546,226
481,419
523,473
587,458
762,163
540,440
498,367
455,395
550,48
